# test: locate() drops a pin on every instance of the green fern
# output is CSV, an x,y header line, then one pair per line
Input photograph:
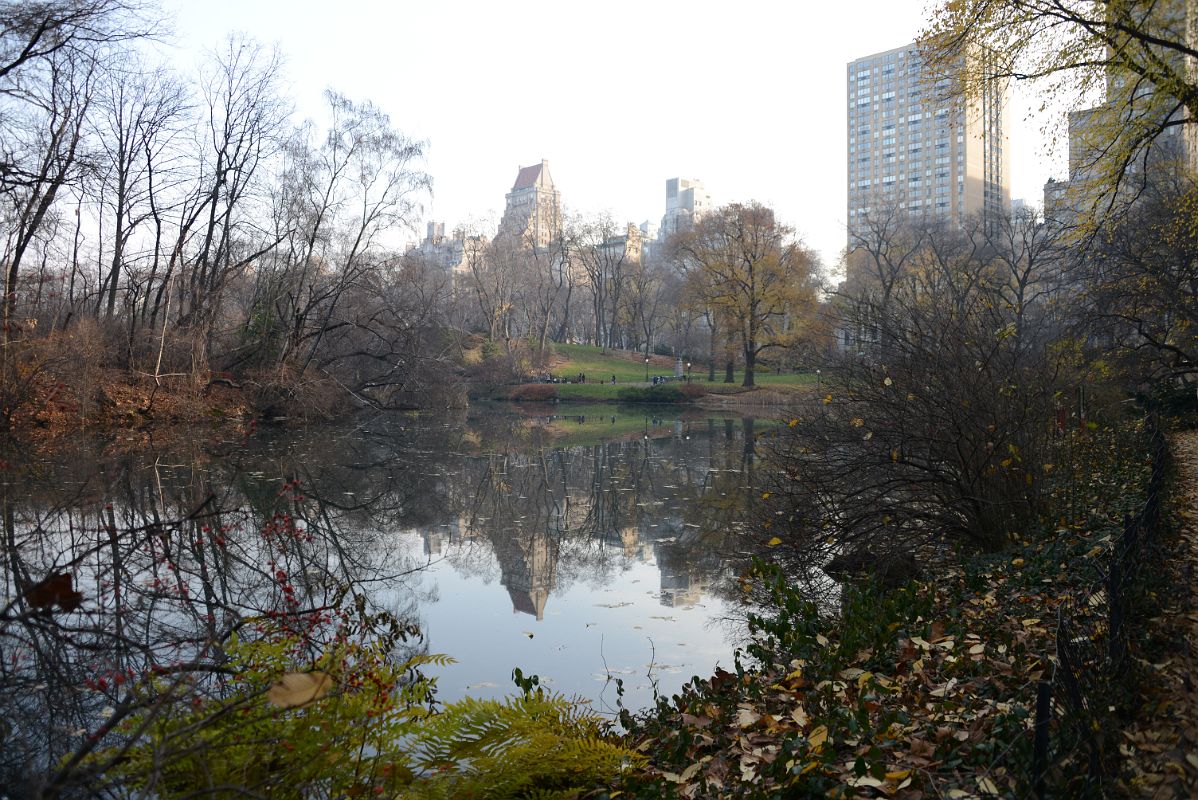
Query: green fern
x,y
534,746
373,734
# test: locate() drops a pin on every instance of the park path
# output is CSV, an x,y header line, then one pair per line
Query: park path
x,y
1160,745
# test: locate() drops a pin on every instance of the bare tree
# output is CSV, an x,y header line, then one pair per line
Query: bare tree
x,y
547,277
51,141
604,256
644,300
937,433
139,112
243,122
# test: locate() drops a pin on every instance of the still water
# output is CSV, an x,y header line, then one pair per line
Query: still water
x,y
585,547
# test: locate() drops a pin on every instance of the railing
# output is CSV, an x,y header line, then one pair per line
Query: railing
x,y
1072,750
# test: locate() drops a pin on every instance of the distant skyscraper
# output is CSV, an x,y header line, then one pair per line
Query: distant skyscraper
x,y
534,207
453,254
914,152
686,203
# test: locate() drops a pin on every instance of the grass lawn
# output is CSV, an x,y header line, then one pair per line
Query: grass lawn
x,y
629,367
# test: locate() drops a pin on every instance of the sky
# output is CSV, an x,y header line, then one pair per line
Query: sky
x,y
748,97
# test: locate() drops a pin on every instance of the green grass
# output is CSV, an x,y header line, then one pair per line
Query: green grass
x,y
629,367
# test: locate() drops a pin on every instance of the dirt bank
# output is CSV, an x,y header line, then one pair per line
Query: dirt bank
x,y
127,407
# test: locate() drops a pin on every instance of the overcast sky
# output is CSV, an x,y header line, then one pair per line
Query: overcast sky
x,y
748,96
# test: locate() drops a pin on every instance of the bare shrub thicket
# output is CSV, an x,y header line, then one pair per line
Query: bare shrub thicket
x,y
938,410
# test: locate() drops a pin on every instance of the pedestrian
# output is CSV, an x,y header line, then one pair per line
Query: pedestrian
x,y
613,380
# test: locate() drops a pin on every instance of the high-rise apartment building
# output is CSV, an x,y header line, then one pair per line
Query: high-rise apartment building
x,y
916,152
686,203
534,207
453,254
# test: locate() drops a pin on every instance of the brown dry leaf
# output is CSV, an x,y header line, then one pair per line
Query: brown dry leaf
x,y
747,717
55,590
818,736
297,689
986,786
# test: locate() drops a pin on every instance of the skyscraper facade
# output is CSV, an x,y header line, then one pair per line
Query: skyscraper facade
x,y
534,207
686,203
916,152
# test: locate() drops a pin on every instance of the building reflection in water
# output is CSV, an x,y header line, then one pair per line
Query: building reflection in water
x,y
625,501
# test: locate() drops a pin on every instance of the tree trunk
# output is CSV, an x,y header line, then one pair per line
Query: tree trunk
x,y
711,355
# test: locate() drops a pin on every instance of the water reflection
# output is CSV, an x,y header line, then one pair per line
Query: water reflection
x,y
580,547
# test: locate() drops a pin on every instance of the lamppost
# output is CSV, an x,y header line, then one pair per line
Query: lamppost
x,y
818,384
688,374
646,369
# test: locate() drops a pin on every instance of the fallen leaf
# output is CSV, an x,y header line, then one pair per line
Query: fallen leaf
x,y
296,689
55,590
746,717
817,736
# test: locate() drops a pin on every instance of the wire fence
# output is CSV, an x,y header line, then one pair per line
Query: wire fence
x,y
1075,753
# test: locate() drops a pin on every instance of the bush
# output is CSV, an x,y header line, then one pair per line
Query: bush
x,y
692,391
533,393
667,393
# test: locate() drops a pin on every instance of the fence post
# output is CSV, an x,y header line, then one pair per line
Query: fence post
x,y
1040,743
1115,649
1076,703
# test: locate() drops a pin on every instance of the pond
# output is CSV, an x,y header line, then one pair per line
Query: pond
x,y
597,549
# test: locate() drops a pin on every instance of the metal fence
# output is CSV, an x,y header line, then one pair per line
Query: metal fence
x,y
1074,753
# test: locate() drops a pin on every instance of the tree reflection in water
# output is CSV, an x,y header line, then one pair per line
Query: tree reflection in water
x,y
177,548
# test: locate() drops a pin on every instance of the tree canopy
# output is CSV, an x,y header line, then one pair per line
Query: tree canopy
x,y
749,269
1130,58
